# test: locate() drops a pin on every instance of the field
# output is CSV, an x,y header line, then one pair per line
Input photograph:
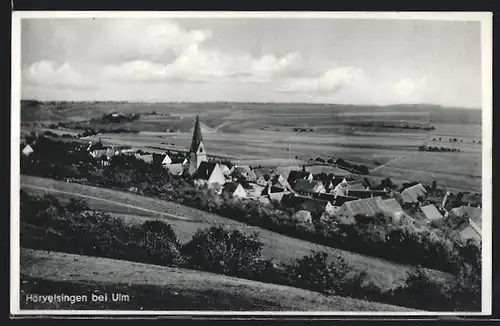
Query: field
x,y
163,288
292,134
187,220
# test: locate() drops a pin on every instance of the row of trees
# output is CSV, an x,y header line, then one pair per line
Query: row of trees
x,y
74,228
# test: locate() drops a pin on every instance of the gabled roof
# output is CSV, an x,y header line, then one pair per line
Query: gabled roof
x,y
230,187
411,194
431,212
197,137
279,180
305,202
158,158
306,186
269,188
392,206
470,233
205,170
325,196
467,198
367,206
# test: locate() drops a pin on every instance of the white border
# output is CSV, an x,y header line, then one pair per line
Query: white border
x,y
485,18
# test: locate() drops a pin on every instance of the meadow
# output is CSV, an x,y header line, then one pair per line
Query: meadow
x,y
383,273
277,134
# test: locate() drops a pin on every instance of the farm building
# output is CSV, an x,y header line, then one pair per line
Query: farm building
x,y
392,208
27,150
412,194
294,176
197,153
368,207
431,213
303,216
342,188
469,232
308,187
233,189
122,150
243,171
210,174
168,159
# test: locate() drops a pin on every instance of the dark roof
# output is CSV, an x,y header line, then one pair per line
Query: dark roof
x,y
96,146
306,186
467,198
325,196
304,202
340,200
197,138
273,189
158,158
366,193
297,175
230,187
205,170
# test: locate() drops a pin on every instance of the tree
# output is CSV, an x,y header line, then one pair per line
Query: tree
x,y
225,252
313,272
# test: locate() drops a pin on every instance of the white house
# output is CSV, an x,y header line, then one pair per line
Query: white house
x,y
27,150
209,173
234,189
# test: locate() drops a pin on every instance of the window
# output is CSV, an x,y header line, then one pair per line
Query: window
x,y
201,149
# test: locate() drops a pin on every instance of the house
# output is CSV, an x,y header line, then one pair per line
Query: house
x,y
468,199
392,208
309,204
233,189
279,180
325,196
474,215
342,188
243,171
263,179
209,173
225,170
308,187
122,150
274,192
431,213
368,207
303,216
412,194
340,200
293,176
27,150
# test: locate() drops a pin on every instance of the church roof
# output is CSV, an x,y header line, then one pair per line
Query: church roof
x,y
197,138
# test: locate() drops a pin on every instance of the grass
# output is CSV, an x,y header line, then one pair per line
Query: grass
x,y
152,287
283,248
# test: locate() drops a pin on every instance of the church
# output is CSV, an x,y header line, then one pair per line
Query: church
x,y
198,167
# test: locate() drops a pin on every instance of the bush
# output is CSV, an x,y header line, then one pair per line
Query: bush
x,y
313,272
225,252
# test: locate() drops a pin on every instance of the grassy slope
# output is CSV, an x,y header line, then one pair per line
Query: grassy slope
x,y
156,287
383,273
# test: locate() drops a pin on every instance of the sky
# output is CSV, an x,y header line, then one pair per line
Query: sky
x,y
344,61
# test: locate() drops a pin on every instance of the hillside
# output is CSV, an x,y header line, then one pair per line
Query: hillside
x,y
163,288
187,220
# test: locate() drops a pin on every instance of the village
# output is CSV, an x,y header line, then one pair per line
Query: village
x,y
327,197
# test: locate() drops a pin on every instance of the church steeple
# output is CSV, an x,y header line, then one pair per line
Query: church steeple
x,y
197,138
197,151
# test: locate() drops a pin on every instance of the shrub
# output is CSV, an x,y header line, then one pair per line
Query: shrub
x,y
225,252
313,272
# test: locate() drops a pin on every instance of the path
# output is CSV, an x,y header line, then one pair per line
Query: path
x,y
109,201
388,162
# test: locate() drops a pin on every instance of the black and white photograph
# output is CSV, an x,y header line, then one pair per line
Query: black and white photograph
x,y
244,163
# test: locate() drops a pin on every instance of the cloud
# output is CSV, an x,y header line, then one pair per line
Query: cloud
x,y
46,73
330,82
409,87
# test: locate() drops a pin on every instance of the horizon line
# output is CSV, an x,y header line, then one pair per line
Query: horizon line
x,y
254,102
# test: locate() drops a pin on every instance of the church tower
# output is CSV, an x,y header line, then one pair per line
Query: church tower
x,y
197,152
